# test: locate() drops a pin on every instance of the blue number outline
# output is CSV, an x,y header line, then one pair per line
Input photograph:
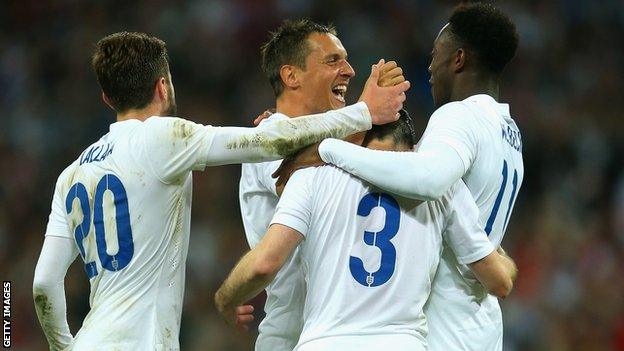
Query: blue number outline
x,y
122,218
379,239
124,231
79,191
499,198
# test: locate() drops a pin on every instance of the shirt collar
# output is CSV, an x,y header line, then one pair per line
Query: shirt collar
x,y
503,109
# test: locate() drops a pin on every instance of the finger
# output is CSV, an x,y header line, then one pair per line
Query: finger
x,y
388,66
397,71
402,87
390,82
374,75
402,97
244,309
244,319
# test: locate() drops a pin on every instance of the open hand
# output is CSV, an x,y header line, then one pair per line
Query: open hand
x,y
304,158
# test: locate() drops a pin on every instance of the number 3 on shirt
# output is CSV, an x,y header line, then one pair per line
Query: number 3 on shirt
x,y
379,239
123,256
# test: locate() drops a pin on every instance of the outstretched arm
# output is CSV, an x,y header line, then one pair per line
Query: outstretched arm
x,y
446,152
175,146
425,175
256,270
49,291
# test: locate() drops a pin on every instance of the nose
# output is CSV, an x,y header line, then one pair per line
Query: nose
x,y
347,70
429,68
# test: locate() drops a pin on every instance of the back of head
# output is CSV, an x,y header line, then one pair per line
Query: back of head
x,y
400,133
127,66
288,46
487,33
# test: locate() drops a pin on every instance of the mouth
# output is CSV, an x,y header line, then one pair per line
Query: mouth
x,y
339,91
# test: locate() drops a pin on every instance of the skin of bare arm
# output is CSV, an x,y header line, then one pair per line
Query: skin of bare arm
x,y
254,272
496,272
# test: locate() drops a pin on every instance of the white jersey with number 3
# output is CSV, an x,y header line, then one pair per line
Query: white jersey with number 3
x,y
369,258
462,315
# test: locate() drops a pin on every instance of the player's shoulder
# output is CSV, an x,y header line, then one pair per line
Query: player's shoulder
x,y
327,173
64,180
453,109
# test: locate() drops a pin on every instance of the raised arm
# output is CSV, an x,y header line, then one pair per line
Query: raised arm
x,y
175,146
49,292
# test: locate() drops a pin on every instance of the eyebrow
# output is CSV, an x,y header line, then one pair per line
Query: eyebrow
x,y
334,57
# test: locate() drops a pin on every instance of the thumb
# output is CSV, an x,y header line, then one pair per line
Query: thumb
x,y
375,71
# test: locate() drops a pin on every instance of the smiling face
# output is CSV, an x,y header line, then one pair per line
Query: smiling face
x,y
441,67
325,79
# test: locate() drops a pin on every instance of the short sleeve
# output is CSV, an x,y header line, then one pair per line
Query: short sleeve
x,y
57,222
294,209
175,146
453,125
463,233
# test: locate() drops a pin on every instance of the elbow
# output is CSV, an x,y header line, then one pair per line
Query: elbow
x,y
266,268
40,287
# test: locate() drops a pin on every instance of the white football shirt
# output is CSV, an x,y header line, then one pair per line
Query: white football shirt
x,y
461,313
283,321
369,258
126,201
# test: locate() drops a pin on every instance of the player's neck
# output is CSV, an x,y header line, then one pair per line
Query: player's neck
x,y
292,107
139,114
474,84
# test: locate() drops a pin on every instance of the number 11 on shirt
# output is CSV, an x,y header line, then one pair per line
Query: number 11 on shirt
x,y
499,198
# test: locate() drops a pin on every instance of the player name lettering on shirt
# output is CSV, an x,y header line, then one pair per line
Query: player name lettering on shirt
x,y
512,137
96,153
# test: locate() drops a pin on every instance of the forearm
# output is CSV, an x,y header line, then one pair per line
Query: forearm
x,y
243,283
423,175
272,141
49,291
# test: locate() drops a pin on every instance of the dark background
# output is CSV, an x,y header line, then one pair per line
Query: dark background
x,y
564,87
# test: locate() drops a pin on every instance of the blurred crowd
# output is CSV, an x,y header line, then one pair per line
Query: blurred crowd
x,y
564,87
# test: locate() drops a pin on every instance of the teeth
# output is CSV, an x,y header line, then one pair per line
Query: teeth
x,y
340,88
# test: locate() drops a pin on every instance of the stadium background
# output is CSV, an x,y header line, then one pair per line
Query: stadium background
x,y
565,90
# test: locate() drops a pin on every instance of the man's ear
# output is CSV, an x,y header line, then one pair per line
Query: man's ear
x,y
107,101
161,89
459,60
290,76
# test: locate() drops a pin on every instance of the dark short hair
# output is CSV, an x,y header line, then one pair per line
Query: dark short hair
x,y
288,46
401,131
127,66
487,32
